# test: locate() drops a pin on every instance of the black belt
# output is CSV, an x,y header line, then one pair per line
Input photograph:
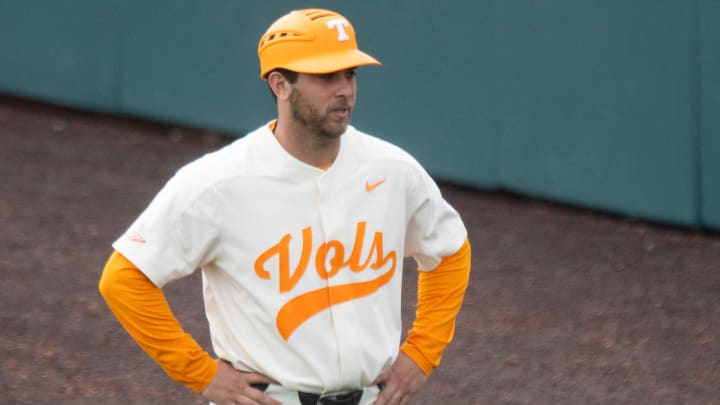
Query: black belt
x,y
345,398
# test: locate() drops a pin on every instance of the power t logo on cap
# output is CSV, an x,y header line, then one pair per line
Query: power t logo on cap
x,y
340,24
311,41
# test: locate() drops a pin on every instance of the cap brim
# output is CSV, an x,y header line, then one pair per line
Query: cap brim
x,y
333,62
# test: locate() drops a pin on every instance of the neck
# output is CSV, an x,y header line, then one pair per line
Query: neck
x,y
306,145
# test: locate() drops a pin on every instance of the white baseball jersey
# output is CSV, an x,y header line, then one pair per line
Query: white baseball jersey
x,y
302,267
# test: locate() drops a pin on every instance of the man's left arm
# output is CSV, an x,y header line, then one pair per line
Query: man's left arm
x,y
440,295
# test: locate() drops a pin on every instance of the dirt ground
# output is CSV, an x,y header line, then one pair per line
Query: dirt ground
x,y
565,306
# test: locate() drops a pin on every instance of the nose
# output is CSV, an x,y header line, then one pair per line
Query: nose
x,y
345,85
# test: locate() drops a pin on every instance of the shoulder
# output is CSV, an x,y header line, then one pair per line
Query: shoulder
x,y
370,147
372,151
202,174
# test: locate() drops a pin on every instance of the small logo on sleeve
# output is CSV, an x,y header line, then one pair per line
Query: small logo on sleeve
x,y
135,236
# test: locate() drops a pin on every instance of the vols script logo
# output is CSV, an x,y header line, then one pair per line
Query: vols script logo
x,y
330,258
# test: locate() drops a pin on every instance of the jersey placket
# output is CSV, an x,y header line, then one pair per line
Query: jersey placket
x,y
344,330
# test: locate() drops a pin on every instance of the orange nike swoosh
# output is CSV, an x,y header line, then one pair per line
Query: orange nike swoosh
x,y
303,307
372,186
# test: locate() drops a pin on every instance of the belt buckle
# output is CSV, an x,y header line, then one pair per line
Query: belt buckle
x,y
342,398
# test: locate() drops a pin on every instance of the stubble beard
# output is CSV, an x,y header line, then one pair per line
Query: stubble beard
x,y
321,124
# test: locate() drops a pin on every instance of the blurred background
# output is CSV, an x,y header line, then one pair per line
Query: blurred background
x,y
613,105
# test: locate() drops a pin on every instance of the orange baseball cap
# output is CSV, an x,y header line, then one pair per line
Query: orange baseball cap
x,y
311,41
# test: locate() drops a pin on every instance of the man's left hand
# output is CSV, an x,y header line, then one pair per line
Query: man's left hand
x,y
400,382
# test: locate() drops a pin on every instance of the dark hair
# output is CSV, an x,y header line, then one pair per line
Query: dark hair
x,y
289,75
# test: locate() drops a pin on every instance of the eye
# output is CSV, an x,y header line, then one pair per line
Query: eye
x,y
350,73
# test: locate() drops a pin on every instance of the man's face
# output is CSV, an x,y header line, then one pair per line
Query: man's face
x,y
323,103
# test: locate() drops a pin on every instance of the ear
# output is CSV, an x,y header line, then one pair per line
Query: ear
x,y
279,85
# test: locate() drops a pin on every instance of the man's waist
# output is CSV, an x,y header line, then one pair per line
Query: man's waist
x,y
344,397
321,376
341,398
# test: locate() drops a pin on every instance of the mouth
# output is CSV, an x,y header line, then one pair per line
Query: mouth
x,y
341,112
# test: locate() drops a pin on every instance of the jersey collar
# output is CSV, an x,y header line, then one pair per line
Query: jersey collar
x,y
273,159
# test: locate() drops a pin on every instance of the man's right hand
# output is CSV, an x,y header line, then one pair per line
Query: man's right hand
x,y
233,387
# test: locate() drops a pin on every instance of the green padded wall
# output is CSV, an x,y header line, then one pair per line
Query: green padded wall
x,y
709,50
194,63
597,102
60,51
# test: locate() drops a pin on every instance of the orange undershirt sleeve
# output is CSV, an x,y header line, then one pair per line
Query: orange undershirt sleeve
x,y
440,296
144,312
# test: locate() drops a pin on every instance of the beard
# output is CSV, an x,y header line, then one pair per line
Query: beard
x,y
319,122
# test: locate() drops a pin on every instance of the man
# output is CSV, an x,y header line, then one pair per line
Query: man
x,y
300,229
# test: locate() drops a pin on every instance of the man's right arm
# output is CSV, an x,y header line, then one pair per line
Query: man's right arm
x,y
144,312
